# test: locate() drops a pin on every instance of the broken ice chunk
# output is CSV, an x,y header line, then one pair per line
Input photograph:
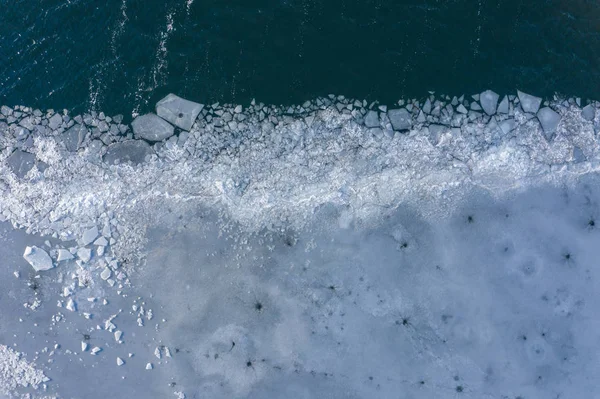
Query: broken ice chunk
x,y
74,137
102,242
20,162
549,120
180,112
89,236
529,103
71,305
118,335
372,119
134,151
149,366
106,273
84,346
85,254
588,112
38,258
489,100
400,119
157,353
63,254
503,106
507,125
95,350
152,128
120,361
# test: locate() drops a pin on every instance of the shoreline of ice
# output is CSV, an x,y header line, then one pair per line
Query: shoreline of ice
x,y
266,167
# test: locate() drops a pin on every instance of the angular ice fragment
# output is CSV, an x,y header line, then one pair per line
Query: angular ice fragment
x,y
106,273
489,100
74,137
549,120
180,112
503,106
20,162
427,107
84,346
63,254
38,258
89,236
149,366
152,128
588,112
507,125
435,133
461,108
134,151
71,305
85,254
400,119
120,361
372,119
55,122
529,103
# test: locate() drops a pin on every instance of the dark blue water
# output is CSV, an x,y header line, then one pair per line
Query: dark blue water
x,y
121,55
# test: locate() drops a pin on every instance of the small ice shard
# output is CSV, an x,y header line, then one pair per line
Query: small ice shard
x,y
89,235
507,125
74,137
149,366
63,254
588,112
503,106
95,350
489,100
157,353
118,335
85,254
20,162
55,121
38,258
529,103
180,112
106,231
152,128
134,151
106,273
101,242
120,361
427,107
475,106
84,346
167,352
549,120
400,119
461,108
71,305
372,119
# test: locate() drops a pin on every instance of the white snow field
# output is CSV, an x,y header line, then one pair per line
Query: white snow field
x,y
436,248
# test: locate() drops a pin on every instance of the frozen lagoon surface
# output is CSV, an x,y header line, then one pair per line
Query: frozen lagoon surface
x,y
273,252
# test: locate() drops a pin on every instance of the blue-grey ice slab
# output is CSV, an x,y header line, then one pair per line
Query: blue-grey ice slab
x,y
74,137
180,112
20,162
588,112
38,258
134,151
55,121
372,119
400,119
549,120
489,101
503,106
152,128
529,103
578,155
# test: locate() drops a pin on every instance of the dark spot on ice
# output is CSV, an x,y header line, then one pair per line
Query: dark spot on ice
x,y
470,219
567,256
524,337
592,223
459,388
422,382
86,337
172,384
258,306
371,378
180,115
404,245
248,363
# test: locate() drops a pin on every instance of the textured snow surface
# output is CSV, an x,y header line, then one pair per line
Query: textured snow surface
x,y
315,251
15,371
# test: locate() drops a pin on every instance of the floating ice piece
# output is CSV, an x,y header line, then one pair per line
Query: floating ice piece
x,y
503,106
74,137
461,108
180,112
55,122
372,119
549,120
134,151
102,242
427,107
118,335
38,258
106,273
63,254
95,350
507,125
84,346
400,119
71,305
89,235
157,353
152,128
529,103
149,366
489,100
120,361
20,162
588,112
85,254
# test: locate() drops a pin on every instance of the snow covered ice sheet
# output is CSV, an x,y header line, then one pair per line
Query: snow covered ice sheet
x,y
435,248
